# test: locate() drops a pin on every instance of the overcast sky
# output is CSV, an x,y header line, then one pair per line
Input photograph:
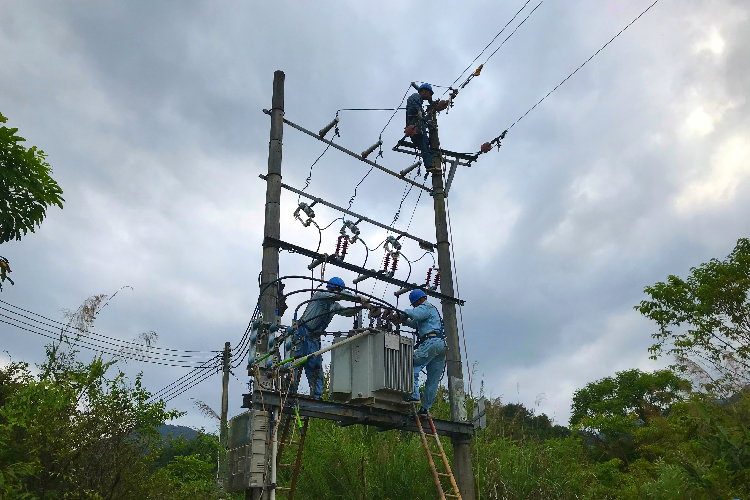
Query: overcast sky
x,y
151,114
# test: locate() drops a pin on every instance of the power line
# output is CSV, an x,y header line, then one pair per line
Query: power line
x,y
582,65
185,379
395,110
351,200
407,191
511,34
84,333
95,347
195,379
414,211
487,46
65,325
209,375
309,175
369,109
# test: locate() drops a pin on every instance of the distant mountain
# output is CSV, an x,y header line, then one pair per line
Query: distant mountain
x,y
177,430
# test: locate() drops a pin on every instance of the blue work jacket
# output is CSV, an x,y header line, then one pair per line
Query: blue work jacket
x,y
425,319
414,112
321,309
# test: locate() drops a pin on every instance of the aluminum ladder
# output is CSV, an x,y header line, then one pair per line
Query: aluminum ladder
x,y
441,453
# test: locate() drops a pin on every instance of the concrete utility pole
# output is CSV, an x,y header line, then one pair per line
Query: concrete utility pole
x,y
224,408
462,465
270,271
272,228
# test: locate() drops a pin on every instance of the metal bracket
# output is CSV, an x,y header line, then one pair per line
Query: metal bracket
x,y
464,158
345,414
423,244
451,173
350,153
273,242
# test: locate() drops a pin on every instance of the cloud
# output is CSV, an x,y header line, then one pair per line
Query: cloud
x,y
632,170
729,167
713,43
580,362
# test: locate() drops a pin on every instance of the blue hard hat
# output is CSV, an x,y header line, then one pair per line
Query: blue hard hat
x,y
426,86
336,282
415,295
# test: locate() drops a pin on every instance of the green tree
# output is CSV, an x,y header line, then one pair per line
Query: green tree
x,y
704,320
629,392
26,188
73,431
607,412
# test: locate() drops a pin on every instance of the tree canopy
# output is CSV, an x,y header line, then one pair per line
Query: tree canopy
x,y
629,392
704,320
26,187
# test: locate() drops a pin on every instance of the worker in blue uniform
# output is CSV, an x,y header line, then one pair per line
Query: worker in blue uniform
x,y
313,323
430,349
417,124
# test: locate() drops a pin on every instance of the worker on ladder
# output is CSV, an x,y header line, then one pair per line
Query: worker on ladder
x,y
430,349
313,323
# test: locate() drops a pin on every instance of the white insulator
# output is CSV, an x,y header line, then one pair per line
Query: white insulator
x,y
372,148
360,278
410,168
402,291
328,127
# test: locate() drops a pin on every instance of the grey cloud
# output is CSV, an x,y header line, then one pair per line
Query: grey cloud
x,y
151,116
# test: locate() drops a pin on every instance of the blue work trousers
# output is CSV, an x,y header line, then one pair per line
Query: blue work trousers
x,y
422,141
430,354
307,343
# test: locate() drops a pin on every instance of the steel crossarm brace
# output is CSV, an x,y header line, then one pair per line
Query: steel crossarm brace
x,y
346,415
424,244
350,153
273,242
463,158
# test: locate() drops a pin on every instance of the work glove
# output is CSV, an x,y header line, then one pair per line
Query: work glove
x,y
410,131
486,147
441,105
396,318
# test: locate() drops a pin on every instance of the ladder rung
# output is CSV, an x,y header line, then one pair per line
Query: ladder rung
x,y
452,496
437,455
431,435
443,474
290,443
284,489
286,465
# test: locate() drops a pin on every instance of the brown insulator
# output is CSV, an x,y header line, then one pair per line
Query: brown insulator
x,y
343,250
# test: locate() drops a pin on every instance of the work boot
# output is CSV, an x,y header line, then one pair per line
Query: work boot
x,y
411,399
423,412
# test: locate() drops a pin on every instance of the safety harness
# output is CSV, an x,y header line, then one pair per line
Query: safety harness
x,y
434,334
